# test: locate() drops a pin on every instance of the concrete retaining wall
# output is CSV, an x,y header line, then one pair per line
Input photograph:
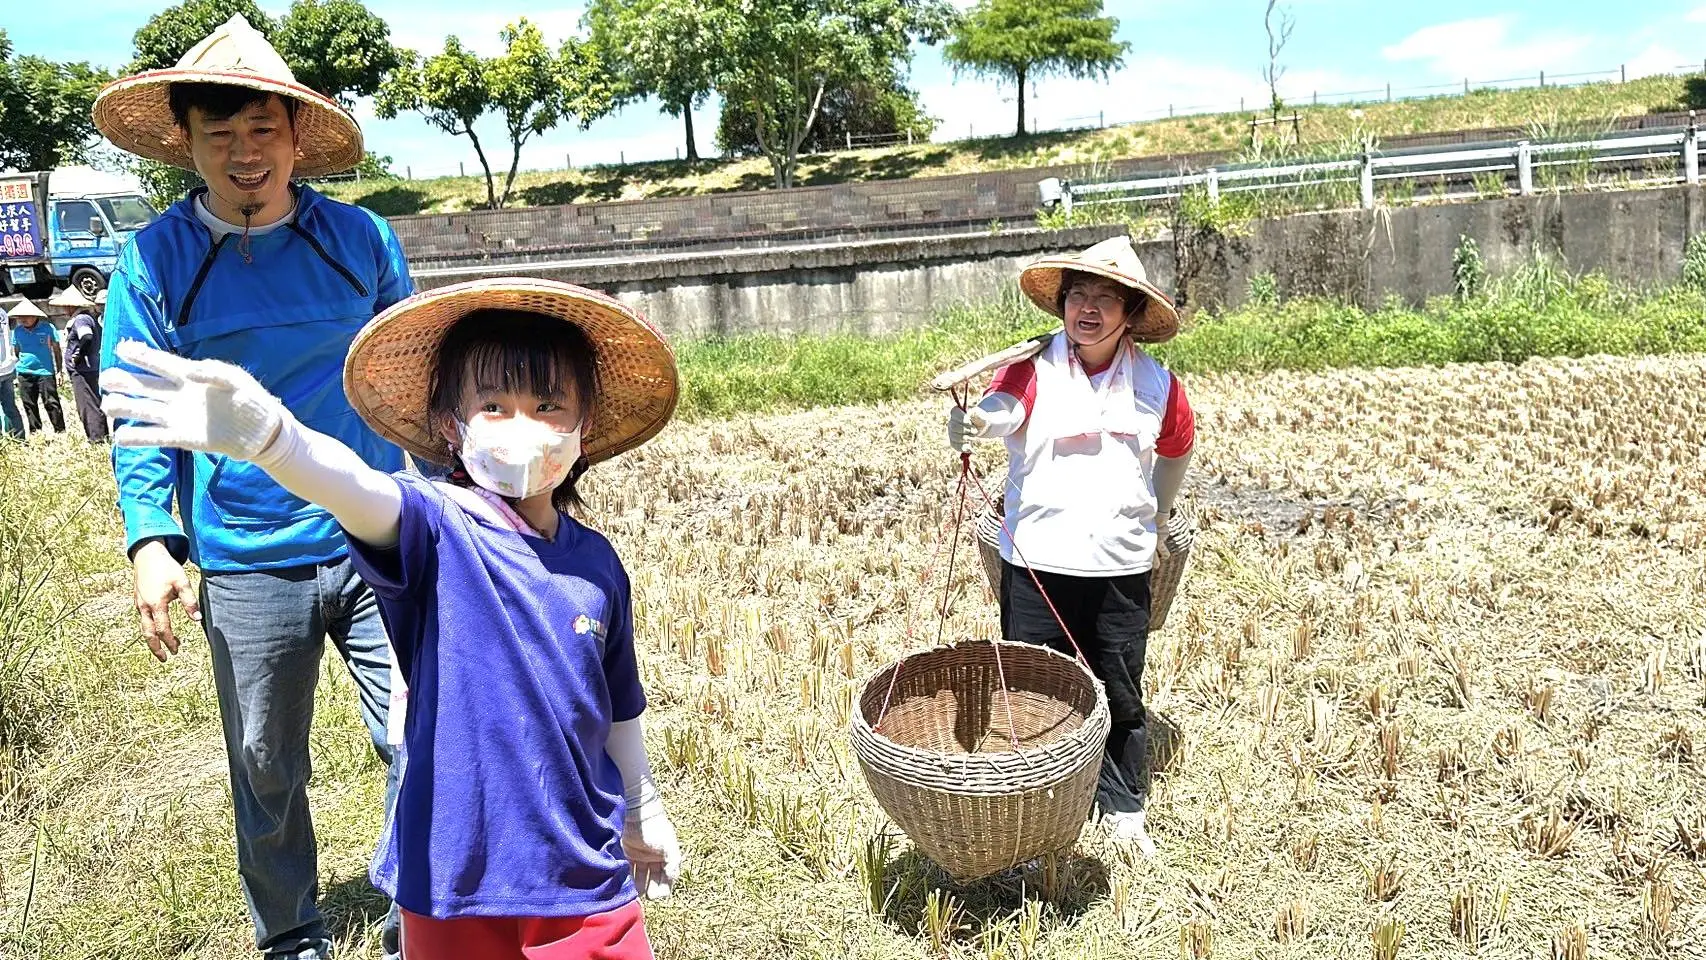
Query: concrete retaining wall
x,y
1634,236
866,288
1360,256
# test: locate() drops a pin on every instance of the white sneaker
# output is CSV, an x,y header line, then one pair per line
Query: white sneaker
x,y
1130,828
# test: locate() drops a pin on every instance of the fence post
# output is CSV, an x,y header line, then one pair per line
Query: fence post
x,y
1543,78
1525,169
1623,73
1367,181
461,171
1066,198
1169,111
1212,181
1691,153
1388,92
1466,86
1315,98
409,172
909,136
1102,118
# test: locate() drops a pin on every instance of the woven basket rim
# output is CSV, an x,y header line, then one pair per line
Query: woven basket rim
x,y
863,728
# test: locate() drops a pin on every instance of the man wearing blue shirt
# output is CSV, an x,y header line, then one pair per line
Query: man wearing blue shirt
x,y
36,345
256,271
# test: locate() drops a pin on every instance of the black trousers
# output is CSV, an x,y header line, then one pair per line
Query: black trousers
x,y
43,387
85,386
1109,618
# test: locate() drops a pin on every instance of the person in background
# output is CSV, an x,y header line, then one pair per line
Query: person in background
x,y
83,361
1099,436
10,419
36,345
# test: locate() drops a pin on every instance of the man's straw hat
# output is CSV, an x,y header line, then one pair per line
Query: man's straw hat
x,y
24,308
1115,260
388,374
135,114
101,297
70,298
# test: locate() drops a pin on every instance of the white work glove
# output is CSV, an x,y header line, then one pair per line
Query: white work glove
x,y
204,405
963,425
648,838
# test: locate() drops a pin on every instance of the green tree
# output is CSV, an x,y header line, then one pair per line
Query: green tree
x,y
657,48
529,87
170,34
1021,40
338,47
45,120
533,89
779,58
860,109
449,90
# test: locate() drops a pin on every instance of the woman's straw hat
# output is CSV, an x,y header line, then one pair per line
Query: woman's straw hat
x,y
1115,260
388,374
135,114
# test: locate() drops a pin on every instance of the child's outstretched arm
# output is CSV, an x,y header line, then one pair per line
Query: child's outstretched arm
x,y
648,838
215,407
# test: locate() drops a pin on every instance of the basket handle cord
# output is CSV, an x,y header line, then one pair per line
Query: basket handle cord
x,y
968,478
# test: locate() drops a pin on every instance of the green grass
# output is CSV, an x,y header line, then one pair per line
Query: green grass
x,y
1541,110
1540,310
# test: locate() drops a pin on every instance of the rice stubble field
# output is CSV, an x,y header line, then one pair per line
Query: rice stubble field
x,y
1435,686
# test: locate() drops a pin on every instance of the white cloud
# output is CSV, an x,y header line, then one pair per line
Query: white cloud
x,y
1697,15
425,30
1142,91
1655,59
1469,49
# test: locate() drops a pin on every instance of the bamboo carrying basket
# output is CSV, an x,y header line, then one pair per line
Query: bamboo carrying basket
x,y
1163,579
941,760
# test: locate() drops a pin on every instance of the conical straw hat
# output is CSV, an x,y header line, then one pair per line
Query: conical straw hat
x,y
135,114
24,308
1115,260
389,371
70,297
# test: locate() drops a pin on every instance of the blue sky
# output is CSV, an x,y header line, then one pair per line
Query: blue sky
x,y
1203,54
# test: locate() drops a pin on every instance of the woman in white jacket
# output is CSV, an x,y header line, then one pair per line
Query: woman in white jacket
x,y
1098,437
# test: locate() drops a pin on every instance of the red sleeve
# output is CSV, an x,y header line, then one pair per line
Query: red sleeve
x,y
1017,380
1178,424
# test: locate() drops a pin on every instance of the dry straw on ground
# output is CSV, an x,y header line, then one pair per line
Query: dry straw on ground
x,y
1435,686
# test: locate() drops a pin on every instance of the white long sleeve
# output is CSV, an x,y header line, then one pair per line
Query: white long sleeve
x,y
322,470
1003,414
627,746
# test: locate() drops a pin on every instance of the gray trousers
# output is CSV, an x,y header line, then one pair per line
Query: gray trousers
x,y
267,631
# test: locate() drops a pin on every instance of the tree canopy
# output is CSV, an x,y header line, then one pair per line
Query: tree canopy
x,y
1022,40
338,47
779,59
664,49
531,89
44,109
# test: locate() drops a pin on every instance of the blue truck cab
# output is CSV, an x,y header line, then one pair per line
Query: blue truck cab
x,y
65,228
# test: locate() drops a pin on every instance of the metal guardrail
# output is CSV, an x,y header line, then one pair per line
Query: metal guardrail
x,y
1524,157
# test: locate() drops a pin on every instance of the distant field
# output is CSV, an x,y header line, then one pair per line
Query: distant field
x,y
1547,110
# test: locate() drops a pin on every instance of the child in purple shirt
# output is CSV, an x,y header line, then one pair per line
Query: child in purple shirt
x,y
527,822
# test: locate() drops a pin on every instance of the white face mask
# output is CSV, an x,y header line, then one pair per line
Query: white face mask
x,y
518,458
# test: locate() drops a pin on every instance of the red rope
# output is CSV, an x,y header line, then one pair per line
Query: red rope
x,y
960,499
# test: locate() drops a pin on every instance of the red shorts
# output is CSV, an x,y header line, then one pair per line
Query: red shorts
x,y
618,934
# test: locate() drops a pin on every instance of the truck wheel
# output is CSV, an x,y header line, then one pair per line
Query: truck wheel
x,y
88,281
